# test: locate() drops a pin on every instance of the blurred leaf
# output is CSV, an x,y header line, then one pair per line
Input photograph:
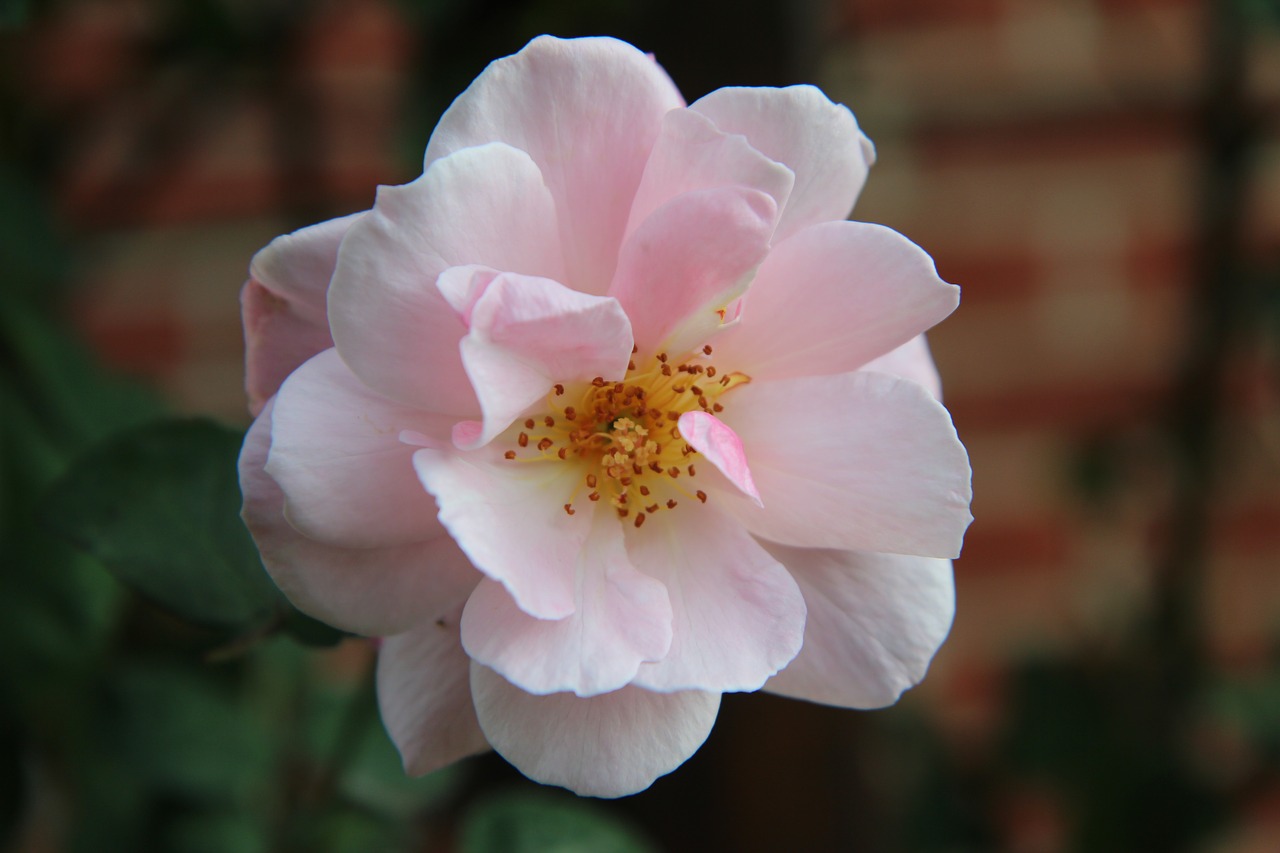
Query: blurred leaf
x,y
312,632
60,386
346,830
1253,705
217,832
1261,12
33,254
13,13
159,507
543,823
184,733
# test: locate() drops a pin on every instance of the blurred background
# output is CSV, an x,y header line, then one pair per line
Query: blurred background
x,y
1101,177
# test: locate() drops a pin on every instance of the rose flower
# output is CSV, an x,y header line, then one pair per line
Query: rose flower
x,y
608,413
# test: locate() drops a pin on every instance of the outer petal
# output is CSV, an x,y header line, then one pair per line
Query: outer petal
x,y
529,333
799,127
692,154
283,305
832,298
424,692
605,746
587,111
508,517
622,618
875,621
335,451
372,591
911,361
485,206
860,461
693,256
739,616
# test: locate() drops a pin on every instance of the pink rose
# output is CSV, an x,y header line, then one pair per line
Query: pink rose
x,y
610,413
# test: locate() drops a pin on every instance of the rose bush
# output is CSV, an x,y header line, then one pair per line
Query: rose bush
x,y
608,413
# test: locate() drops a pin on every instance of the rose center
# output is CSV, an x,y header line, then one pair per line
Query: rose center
x,y
624,435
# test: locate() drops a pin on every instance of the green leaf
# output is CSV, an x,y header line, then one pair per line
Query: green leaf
x,y
544,823
13,13
159,507
186,734
312,632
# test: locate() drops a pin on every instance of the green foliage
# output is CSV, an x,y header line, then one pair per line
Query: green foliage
x,y
159,507
13,13
544,823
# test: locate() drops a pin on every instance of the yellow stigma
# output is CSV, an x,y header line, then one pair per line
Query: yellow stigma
x,y
624,434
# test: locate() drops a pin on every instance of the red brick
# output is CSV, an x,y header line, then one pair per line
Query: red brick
x,y
992,547
148,344
1077,135
1080,407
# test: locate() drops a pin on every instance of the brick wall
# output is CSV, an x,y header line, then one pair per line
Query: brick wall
x,y
1044,152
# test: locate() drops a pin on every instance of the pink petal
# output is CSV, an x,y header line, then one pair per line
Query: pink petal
x,y
528,334
371,591
336,452
739,617
875,622
587,111
688,260
860,461
832,298
711,437
298,266
691,154
483,206
910,361
622,618
278,336
283,305
509,518
610,745
424,693
800,128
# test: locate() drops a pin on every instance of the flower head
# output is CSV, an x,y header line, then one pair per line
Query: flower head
x,y
608,413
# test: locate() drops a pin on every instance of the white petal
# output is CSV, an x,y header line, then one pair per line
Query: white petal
x,y
832,298
526,335
610,745
687,261
424,693
336,452
911,361
622,618
508,516
800,128
739,616
861,461
484,206
692,154
371,591
875,622
587,111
